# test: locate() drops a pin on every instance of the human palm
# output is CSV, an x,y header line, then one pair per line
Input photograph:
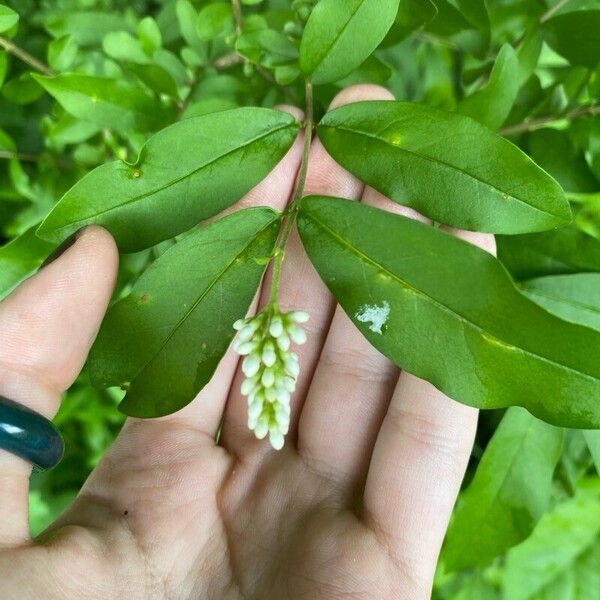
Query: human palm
x,y
355,506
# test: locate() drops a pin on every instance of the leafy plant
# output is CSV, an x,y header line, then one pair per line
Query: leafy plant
x,y
151,119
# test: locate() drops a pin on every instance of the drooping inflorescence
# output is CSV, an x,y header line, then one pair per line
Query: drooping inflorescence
x,y
271,369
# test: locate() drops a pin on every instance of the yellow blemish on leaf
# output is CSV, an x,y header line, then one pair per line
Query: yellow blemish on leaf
x,y
494,341
395,139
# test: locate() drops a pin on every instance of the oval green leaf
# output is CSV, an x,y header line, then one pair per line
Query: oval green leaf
x,y
164,341
448,312
341,34
560,547
8,18
575,298
20,258
444,165
509,493
576,36
491,104
566,250
186,173
105,102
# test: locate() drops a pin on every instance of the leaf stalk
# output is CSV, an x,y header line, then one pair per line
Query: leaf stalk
x,y
27,58
292,210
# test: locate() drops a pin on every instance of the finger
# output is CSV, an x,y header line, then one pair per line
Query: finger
x,y
417,468
301,289
46,329
351,389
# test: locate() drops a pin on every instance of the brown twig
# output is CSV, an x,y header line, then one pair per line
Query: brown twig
x,y
528,125
8,155
553,10
21,54
227,61
237,16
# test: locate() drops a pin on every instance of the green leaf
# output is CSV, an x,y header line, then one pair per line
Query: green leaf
x,y
164,341
188,172
20,258
491,105
341,34
554,151
62,53
509,493
444,165
373,70
8,18
121,45
214,20
528,54
412,15
592,439
23,89
574,35
267,47
447,312
87,28
156,78
3,66
566,250
105,102
575,298
560,540
150,36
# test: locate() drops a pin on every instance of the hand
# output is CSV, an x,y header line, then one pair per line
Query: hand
x,y
355,506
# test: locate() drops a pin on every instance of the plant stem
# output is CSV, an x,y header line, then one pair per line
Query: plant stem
x,y
292,211
8,155
585,111
237,15
33,62
553,10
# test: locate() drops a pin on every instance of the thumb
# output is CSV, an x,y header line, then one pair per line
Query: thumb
x,y
47,326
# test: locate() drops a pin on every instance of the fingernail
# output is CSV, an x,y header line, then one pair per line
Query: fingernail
x,y
60,250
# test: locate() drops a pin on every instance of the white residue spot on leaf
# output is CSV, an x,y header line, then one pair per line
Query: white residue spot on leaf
x,y
374,314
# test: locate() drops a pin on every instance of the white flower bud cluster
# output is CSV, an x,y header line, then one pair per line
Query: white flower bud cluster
x,y
271,369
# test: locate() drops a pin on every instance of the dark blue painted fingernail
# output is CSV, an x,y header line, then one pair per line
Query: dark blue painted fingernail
x,y
29,435
60,250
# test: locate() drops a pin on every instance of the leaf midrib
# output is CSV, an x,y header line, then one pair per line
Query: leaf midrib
x,y
203,295
564,300
337,37
446,165
497,489
341,241
174,182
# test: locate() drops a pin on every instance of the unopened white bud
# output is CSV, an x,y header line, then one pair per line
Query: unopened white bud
x,y
292,366
251,365
276,328
276,438
297,334
299,316
283,342
245,348
269,356
239,324
261,429
255,409
268,378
